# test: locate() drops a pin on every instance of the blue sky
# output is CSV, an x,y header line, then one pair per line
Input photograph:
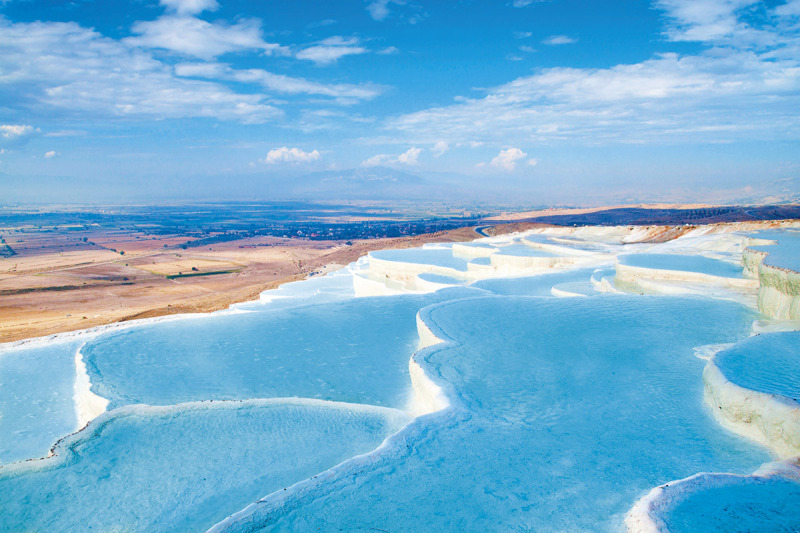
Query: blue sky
x,y
571,101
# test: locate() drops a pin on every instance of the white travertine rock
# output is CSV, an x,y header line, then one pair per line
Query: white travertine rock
x,y
428,396
88,405
769,419
779,292
633,274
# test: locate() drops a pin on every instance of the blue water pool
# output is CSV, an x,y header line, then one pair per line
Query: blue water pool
x,y
36,405
768,363
564,412
183,468
748,506
442,257
683,263
784,254
356,350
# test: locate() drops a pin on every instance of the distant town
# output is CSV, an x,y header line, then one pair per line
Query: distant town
x,y
28,231
42,230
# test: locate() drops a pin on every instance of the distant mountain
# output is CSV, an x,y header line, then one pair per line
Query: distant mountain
x,y
372,183
779,191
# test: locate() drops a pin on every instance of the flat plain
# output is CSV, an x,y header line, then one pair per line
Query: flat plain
x,y
58,274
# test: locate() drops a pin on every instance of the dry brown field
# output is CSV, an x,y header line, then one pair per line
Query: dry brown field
x,y
58,282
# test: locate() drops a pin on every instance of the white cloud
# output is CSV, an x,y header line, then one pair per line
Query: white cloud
x,y
203,70
51,154
440,148
14,131
314,120
377,160
409,157
721,94
290,155
194,37
379,9
65,133
65,66
331,50
389,50
190,7
533,162
555,40
343,93
507,159
702,20
789,9
522,34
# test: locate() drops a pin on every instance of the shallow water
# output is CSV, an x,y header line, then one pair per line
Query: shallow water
x,y
540,285
36,405
561,425
748,506
333,287
784,254
768,363
522,250
684,263
440,256
438,278
563,411
183,468
356,350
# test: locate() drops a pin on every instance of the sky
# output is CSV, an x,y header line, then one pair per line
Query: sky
x,y
561,101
